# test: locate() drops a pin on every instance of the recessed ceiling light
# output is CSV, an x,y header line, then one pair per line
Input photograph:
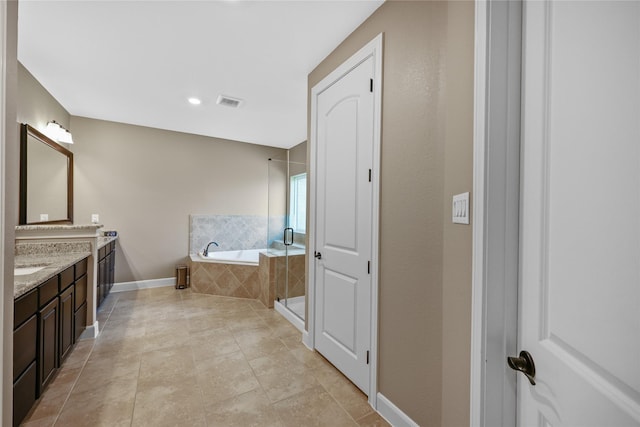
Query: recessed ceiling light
x,y
194,101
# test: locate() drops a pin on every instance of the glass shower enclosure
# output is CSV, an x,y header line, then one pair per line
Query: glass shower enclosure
x,y
286,236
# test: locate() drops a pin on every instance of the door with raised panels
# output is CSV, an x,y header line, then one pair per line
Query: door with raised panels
x,y
579,314
345,115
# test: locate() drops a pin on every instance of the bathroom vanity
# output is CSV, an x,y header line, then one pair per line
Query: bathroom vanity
x,y
50,314
62,273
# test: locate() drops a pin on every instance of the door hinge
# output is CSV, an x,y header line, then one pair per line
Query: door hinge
x,y
367,357
370,85
368,267
369,175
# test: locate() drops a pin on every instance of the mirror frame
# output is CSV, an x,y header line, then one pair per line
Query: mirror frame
x,y
26,131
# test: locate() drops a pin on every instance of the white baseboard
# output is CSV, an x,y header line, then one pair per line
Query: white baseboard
x,y
306,340
143,284
393,414
90,332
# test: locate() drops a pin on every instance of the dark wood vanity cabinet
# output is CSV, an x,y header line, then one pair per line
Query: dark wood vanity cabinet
x,y
80,299
47,322
106,270
49,333
25,354
67,322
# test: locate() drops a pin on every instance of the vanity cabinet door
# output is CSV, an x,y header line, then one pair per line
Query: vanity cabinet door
x,y
102,274
24,393
80,319
67,322
25,338
49,338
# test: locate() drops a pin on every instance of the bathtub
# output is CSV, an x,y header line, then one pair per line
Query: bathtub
x,y
241,257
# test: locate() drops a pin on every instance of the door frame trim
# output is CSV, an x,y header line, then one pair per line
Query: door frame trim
x,y
496,186
372,49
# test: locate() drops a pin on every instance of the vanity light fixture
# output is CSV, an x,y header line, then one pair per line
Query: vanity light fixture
x,y
56,132
194,101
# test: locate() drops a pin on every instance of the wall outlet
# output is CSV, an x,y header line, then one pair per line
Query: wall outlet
x,y
460,209
95,218
44,217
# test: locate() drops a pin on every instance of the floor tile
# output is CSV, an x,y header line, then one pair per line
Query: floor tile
x,y
314,407
251,409
175,358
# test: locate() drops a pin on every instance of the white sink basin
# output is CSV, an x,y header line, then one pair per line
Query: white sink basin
x,y
23,271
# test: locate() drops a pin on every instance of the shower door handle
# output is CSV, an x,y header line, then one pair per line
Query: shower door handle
x,y
288,232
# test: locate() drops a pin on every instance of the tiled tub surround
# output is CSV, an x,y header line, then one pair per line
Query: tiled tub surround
x,y
230,280
231,232
248,281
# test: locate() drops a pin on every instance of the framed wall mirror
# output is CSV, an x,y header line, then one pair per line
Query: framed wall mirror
x,y
46,179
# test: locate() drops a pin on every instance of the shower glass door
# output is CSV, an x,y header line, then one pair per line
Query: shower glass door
x,y
286,233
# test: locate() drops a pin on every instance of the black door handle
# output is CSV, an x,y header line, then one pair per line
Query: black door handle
x,y
524,364
317,255
288,236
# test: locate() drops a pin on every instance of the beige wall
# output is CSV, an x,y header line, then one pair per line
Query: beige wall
x,y
145,182
458,178
36,106
425,284
298,153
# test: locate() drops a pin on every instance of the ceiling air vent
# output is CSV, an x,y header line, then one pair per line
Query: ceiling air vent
x,y
227,101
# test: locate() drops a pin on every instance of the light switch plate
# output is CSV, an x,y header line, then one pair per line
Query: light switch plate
x,y
95,218
460,209
44,217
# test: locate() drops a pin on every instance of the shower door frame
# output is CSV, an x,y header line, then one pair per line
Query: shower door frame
x,y
374,49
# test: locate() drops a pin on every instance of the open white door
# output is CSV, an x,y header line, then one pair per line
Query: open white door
x,y
579,311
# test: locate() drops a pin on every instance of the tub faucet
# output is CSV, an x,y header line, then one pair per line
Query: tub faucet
x,y
206,250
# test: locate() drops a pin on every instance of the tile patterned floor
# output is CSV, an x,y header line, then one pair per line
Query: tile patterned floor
x,y
170,357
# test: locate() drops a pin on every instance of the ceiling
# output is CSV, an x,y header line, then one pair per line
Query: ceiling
x,y
138,62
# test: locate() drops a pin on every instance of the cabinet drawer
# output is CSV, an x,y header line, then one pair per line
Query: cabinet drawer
x,y
112,246
102,252
81,268
81,291
66,278
24,307
48,290
24,394
25,339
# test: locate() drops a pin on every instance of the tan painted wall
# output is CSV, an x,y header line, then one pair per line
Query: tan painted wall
x,y
145,182
36,106
458,173
298,153
423,287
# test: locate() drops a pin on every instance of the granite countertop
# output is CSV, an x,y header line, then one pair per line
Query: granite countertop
x,y
54,264
103,241
59,227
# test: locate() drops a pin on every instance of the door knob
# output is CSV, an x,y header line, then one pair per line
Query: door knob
x,y
524,364
317,255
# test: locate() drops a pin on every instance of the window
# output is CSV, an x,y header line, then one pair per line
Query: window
x,y
298,203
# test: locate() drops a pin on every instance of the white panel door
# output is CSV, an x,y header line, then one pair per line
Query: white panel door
x,y
343,222
580,214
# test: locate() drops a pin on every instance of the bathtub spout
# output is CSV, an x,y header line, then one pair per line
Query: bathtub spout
x,y
206,250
